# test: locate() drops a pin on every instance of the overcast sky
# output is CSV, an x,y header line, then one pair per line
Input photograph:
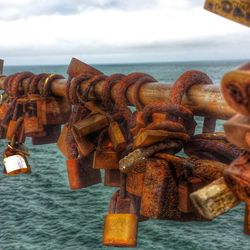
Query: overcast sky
x,y
114,31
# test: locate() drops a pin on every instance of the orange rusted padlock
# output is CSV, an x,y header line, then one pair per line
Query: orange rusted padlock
x,y
116,136
52,134
32,123
81,174
158,184
112,177
18,112
134,183
62,142
54,110
84,146
90,124
105,157
185,188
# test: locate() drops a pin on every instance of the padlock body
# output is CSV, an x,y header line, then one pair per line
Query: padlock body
x,y
54,111
112,177
16,164
159,191
134,183
84,146
52,133
116,136
63,141
33,127
149,137
120,230
81,174
4,107
91,124
105,159
11,130
185,188
214,199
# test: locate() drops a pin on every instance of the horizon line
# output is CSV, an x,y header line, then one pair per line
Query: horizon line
x,y
130,63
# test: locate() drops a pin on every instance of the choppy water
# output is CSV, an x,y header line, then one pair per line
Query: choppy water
x,y
38,211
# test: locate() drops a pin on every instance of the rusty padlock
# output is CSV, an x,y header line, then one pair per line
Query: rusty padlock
x,y
159,195
84,146
52,135
62,142
3,132
92,123
134,183
185,188
116,136
105,157
32,123
112,177
18,112
4,108
77,67
149,137
81,174
55,111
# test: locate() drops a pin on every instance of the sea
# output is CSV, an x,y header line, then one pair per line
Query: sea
x,y
40,212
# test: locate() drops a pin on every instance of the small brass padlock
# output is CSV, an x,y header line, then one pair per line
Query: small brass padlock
x,y
121,224
15,159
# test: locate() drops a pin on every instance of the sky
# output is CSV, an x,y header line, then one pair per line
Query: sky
x,y
116,31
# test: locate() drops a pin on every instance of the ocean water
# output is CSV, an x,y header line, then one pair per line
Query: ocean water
x,y
38,211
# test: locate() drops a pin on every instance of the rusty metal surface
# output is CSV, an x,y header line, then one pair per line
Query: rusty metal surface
x,y
201,100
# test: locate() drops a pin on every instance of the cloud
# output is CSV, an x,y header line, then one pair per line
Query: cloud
x,y
16,9
116,31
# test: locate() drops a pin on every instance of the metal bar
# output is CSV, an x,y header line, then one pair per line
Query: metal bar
x,y
203,100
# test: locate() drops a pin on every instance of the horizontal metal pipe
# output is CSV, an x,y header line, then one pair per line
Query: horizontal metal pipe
x,y
203,100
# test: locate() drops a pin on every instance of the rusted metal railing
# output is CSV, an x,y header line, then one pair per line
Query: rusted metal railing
x,y
203,100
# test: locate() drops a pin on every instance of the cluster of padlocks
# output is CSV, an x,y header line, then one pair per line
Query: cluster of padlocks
x,y
138,150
